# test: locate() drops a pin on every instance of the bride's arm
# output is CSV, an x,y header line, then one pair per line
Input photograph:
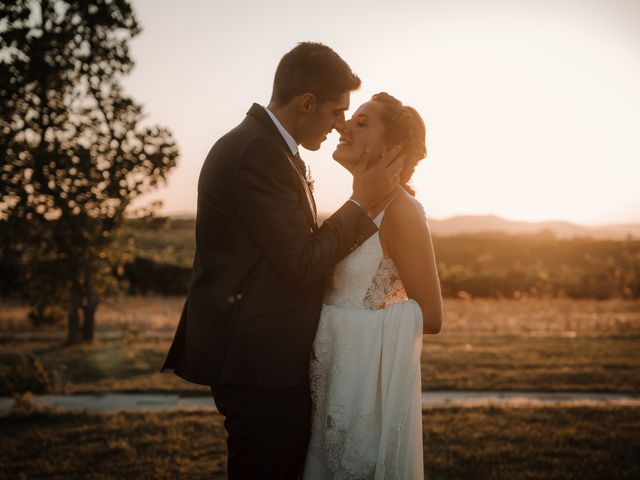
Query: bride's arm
x,y
405,236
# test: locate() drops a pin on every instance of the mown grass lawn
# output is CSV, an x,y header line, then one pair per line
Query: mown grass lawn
x,y
459,443
455,362
510,362
528,344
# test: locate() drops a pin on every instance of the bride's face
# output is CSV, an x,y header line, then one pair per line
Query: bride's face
x,y
364,130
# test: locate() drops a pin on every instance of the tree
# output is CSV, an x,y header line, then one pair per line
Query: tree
x,y
73,152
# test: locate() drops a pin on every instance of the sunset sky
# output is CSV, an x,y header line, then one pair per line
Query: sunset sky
x,y
532,107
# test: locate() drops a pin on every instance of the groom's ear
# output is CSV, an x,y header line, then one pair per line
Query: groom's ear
x,y
307,103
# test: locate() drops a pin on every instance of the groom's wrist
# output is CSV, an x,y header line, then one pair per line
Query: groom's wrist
x,y
361,202
356,202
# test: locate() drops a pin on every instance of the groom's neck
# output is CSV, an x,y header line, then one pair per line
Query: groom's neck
x,y
287,115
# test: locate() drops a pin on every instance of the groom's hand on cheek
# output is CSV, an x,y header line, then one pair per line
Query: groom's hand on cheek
x,y
375,180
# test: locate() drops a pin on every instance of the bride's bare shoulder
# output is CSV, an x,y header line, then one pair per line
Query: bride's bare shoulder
x,y
403,217
404,208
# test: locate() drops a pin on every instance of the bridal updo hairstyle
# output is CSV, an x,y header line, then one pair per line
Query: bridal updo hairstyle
x,y
403,126
312,68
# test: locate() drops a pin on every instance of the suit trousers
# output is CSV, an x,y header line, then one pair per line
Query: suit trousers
x,y
268,430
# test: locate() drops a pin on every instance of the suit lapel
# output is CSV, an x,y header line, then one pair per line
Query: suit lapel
x,y
311,203
258,112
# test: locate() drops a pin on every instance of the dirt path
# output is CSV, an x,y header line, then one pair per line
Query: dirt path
x,y
148,402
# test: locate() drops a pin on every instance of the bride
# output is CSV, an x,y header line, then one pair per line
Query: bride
x,y
365,368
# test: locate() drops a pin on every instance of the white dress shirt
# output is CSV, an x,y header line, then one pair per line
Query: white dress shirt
x,y
293,146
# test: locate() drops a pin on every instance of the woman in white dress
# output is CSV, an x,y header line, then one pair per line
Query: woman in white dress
x,y
365,370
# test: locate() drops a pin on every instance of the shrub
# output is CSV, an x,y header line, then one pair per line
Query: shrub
x,y
26,373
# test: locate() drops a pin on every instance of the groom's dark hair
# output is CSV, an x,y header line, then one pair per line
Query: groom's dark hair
x,y
312,68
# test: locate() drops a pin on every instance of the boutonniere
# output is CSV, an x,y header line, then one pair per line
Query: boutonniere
x,y
309,179
304,171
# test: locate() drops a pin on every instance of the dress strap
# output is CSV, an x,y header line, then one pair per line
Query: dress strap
x,y
378,219
380,216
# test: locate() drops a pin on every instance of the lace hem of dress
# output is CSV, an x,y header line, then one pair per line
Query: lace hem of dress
x,y
356,462
347,446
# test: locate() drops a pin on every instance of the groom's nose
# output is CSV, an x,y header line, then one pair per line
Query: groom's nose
x,y
339,123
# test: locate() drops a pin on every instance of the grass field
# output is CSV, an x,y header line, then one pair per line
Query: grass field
x,y
456,363
527,316
552,345
477,443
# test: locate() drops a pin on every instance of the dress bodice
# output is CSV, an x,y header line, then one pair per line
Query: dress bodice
x,y
365,278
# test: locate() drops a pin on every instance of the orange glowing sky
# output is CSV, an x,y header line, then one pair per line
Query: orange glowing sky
x,y
532,107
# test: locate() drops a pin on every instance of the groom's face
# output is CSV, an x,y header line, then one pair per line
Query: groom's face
x,y
327,115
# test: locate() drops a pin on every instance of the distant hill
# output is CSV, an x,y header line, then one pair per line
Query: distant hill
x,y
470,224
466,224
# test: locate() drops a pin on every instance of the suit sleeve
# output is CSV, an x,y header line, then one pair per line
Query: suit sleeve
x,y
267,200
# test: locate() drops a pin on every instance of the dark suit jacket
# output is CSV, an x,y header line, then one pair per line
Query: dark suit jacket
x,y
256,288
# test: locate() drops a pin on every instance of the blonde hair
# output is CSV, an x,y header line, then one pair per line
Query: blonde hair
x,y
403,126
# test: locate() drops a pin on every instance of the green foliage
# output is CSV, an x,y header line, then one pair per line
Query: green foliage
x,y
538,265
484,266
145,276
73,152
162,240
46,314
156,256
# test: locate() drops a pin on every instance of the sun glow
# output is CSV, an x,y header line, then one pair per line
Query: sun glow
x,y
531,110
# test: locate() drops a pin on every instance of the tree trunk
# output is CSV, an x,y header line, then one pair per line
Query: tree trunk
x,y
89,306
73,327
88,324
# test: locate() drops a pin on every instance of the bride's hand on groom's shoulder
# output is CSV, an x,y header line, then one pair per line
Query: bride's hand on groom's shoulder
x,y
375,179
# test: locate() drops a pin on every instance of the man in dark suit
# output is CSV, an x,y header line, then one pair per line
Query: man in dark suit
x,y
254,301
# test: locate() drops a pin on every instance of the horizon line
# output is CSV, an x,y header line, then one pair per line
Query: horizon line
x,y
325,214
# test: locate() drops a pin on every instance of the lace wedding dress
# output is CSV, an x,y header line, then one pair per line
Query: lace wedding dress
x,y
365,374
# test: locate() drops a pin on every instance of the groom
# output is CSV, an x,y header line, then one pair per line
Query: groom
x,y
254,301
